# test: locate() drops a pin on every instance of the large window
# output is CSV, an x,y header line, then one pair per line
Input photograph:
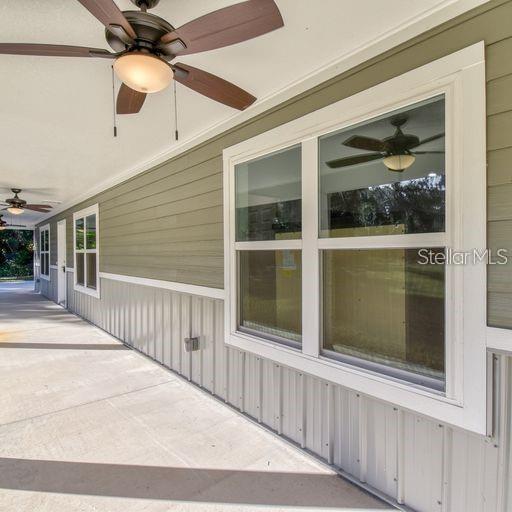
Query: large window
x,y
339,226
44,251
86,251
382,308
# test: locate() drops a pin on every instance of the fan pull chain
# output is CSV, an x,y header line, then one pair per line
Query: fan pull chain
x,y
114,101
176,135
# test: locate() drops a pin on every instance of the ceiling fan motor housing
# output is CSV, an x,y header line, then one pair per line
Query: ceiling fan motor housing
x,y
148,4
16,201
148,27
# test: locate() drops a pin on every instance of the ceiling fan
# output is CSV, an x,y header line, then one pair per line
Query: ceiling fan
x,y
16,205
145,44
4,225
396,151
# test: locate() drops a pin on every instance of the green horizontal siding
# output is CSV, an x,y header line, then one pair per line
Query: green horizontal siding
x,y
166,223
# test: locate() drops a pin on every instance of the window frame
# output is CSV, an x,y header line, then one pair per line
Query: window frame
x,y
42,229
461,78
83,214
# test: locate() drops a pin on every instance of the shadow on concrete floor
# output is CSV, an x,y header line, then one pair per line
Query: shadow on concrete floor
x,y
181,484
65,346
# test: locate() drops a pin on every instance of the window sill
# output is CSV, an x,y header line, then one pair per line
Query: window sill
x,y
46,278
87,291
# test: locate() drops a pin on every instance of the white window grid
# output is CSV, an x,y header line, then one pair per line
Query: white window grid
x,y
82,215
44,250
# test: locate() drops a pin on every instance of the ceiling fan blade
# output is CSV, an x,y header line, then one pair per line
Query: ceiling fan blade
x,y
35,208
367,143
427,152
107,12
38,206
129,101
353,160
53,50
212,86
428,139
225,27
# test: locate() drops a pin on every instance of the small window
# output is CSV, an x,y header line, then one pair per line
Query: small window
x,y
86,251
268,197
44,251
269,216
270,294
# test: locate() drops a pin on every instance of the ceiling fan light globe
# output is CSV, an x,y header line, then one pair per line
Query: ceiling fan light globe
x,y
143,72
15,210
399,162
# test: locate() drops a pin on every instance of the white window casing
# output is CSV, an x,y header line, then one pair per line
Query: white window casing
x,y
460,77
44,252
83,214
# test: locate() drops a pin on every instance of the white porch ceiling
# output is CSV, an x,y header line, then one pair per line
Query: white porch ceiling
x,y
56,113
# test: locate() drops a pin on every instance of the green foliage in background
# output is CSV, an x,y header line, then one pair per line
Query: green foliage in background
x,y
16,254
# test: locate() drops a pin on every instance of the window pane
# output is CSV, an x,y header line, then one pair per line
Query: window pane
x,y
47,264
385,306
91,270
80,268
270,293
90,223
79,229
268,192
41,237
46,240
359,193
42,263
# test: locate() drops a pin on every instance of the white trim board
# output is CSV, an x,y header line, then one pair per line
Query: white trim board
x,y
203,291
499,339
412,28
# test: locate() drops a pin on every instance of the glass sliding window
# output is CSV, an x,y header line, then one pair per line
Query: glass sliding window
x,y
270,293
86,251
386,175
385,307
268,197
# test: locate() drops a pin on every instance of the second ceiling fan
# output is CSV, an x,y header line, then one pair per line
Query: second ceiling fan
x,y
145,45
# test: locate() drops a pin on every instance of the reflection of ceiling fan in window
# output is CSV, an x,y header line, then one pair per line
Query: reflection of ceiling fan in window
x,y
395,151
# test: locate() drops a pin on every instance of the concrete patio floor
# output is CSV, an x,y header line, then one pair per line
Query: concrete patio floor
x,y
88,425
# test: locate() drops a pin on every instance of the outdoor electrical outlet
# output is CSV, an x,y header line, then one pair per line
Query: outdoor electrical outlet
x,y
191,344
